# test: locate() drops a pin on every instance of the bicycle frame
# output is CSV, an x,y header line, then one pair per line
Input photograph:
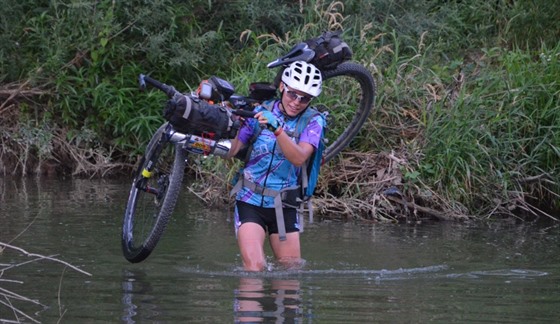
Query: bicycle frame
x,y
157,181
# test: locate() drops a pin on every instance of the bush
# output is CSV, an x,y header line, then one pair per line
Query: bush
x,y
462,86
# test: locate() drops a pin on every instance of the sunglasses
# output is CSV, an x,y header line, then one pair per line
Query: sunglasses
x,y
293,96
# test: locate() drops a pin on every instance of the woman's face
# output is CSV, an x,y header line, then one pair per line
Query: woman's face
x,y
293,101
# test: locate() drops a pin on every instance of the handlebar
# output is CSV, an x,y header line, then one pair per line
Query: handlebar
x,y
243,113
170,91
300,52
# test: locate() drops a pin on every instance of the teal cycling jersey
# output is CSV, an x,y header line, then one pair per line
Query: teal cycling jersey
x,y
267,166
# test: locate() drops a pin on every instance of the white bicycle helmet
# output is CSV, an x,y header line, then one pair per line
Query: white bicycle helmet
x,y
304,77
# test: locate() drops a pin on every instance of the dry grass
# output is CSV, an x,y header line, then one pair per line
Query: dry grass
x,y
356,186
370,186
45,151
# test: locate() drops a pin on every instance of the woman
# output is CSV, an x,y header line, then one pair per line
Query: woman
x,y
274,164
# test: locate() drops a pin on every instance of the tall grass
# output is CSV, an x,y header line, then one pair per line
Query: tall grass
x,y
467,90
498,141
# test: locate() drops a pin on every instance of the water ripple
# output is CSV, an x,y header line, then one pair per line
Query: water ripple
x,y
317,273
508,273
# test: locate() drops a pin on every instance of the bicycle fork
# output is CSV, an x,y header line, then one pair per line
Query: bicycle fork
x,y
148,170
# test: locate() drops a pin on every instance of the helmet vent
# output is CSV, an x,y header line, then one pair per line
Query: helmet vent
x,y
304,77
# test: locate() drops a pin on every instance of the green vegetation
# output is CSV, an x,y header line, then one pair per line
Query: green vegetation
x,y
467,114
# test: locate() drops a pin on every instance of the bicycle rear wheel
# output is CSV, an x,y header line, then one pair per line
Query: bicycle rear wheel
x,y
348,95
153,196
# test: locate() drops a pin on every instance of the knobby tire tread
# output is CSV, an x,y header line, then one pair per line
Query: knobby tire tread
x,y
368,88
169,201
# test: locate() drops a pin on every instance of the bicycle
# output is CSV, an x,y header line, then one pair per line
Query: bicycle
x,y
157,181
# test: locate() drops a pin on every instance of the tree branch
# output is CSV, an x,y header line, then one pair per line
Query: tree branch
x,y
39,257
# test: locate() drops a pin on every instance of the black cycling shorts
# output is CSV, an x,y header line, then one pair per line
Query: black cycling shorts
x,y
266,217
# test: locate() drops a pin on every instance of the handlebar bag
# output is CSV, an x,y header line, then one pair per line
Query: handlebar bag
x,y
198,117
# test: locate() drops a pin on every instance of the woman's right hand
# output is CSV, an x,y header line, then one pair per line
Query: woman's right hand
x,y
268,119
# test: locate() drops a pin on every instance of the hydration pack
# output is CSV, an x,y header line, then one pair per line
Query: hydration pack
x,y
310,170
294,197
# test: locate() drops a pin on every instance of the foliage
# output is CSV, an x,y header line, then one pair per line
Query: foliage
x,y
467,90
500,132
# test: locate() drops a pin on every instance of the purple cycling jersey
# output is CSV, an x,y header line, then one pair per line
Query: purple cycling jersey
x,y
267,165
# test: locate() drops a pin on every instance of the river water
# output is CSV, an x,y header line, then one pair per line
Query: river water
x,y
354,273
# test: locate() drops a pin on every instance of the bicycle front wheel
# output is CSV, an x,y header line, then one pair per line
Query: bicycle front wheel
x,y
153,196
348,95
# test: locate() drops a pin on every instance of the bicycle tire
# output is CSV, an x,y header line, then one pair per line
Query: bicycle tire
x,y
148,213
355,113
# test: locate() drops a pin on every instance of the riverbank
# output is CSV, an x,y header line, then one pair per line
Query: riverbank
x,y
466,119
360,186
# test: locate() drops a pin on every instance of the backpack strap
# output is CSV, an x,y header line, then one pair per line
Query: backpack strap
x,y
281,195
245,153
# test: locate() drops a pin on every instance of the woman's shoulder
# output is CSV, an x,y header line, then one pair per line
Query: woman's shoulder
x,y
269,105
313,117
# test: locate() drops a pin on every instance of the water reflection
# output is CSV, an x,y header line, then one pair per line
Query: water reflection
x,y
260,300
443,272
137,297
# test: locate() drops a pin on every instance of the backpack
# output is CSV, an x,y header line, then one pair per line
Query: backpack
x,y
310,170
308,177
312,167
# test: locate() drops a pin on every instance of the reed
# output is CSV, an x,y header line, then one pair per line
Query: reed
x,y
496,143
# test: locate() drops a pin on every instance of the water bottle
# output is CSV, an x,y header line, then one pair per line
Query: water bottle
x,y
222,147
207,146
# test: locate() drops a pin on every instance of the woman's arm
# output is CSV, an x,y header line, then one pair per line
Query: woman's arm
x,y
296,153
236,146
236,143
